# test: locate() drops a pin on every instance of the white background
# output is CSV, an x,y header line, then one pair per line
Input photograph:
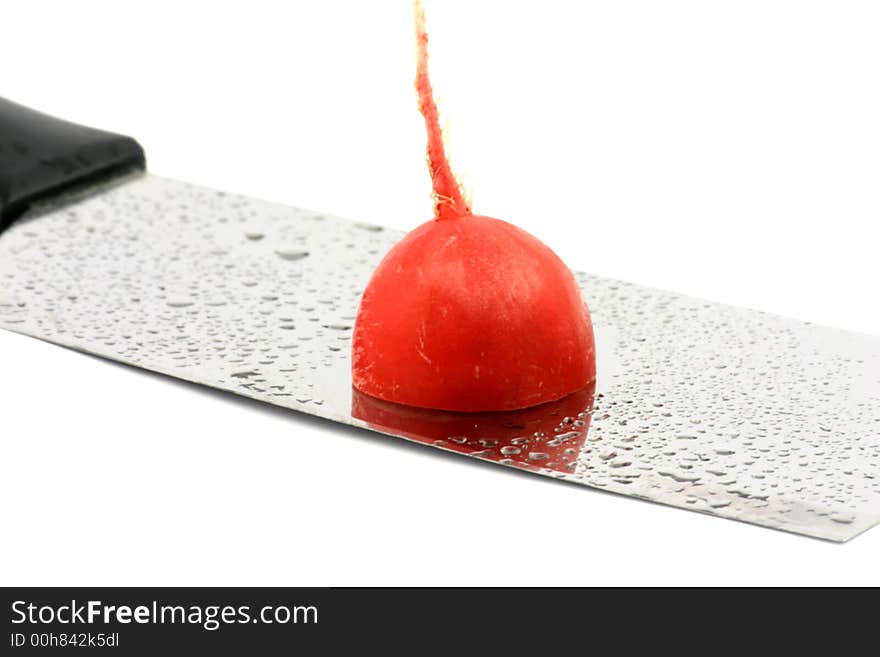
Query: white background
x,y
729,150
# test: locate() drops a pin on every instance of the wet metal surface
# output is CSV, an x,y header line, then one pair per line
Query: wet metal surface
x,y
698,405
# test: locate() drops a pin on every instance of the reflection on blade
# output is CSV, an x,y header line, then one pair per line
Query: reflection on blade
x,y
546,438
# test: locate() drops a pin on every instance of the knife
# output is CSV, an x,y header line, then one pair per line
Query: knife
x,y
698,405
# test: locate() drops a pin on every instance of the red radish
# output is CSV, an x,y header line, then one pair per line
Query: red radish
x,y
466,312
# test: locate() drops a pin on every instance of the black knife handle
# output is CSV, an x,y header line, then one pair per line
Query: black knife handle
x,y
41,156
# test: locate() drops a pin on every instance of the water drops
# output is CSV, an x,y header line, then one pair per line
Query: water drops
x,y
369,227
291,255
607,454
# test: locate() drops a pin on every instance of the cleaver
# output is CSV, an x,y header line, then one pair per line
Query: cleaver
x,y
698,405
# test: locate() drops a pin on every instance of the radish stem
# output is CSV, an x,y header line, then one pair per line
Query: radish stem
x,y
449,202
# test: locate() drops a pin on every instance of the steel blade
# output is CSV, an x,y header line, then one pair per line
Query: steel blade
x,y
697,405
